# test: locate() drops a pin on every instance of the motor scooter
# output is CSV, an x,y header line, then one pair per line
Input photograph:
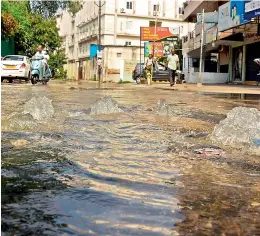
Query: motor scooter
x,y
37,70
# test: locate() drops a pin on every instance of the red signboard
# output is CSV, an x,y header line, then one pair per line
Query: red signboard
x,y
149,34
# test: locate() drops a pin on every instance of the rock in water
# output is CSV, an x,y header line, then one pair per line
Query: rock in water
x,y
21,121
162,107
106,105
240,129
39,107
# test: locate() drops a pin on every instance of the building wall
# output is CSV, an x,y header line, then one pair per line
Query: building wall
x,y
118,26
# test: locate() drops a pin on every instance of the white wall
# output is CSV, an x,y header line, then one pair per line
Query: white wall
x,y
207,77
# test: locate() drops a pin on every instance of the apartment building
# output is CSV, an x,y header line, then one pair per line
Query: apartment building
x,y
230,37
120,32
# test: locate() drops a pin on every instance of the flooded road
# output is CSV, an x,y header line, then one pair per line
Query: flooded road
x,y
140,171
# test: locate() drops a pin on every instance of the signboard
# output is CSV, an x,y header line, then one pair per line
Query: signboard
x,y
149,34
211,34
209,17
99,53
236,12
251,38
129,66
160,48
251,9
224,34
224,20
157,49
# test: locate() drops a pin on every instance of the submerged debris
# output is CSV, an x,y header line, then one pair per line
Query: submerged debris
x,y
209,152
241,128
106,105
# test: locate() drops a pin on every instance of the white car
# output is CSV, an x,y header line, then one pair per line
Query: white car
x,y
15,67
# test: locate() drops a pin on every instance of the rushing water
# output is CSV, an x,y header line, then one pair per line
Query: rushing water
x,y
131,171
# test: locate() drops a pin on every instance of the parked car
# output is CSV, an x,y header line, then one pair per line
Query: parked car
x,y
15,67
159,73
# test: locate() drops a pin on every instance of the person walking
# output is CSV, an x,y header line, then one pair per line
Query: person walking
x,y
149,69
172,64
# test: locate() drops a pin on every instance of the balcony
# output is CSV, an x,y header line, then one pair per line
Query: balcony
x,y
192,7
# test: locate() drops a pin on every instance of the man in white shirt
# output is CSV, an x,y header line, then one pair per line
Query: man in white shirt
x,y
44,54
172,64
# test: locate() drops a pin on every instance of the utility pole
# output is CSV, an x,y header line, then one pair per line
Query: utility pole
x,y
199,83
100,5
155,25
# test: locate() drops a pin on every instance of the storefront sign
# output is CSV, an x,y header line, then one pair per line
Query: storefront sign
x,y
251,9
211,35
149,33
251,38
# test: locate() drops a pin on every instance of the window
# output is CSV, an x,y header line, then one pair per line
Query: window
x,y
156,8
129,25
119,54
152,23
127,43
129,5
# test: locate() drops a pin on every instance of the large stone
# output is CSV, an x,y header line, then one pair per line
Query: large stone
x,y
241,128
39,107
106,105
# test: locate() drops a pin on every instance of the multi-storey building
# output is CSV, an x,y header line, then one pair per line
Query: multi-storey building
x,y
120,32
229,43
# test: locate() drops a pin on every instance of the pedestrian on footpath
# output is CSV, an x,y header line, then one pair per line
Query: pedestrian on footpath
x,y
149,69
172,64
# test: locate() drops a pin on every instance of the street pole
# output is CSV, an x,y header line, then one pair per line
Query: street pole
x,y
199,83
99,34
156,12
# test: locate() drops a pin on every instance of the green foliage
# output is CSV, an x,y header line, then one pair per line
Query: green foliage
x,y
56,62
74,6
32,29
48,9
178,50
9,25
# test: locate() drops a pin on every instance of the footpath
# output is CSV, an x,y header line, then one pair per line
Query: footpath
x,y
238,89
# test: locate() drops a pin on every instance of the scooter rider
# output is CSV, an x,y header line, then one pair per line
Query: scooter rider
x,y
42,53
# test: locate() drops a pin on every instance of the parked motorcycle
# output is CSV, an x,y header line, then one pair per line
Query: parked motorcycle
x,y
37,70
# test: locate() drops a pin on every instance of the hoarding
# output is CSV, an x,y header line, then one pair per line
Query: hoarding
x,y
160,49
209,17
149,34
251,10
224,20
231,14
237,9
157,50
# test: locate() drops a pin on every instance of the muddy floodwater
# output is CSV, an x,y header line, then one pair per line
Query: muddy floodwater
x,y
135,171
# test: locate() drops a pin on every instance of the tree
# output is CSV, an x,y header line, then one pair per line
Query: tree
x,y
48,9
178,49
9,25
56,62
